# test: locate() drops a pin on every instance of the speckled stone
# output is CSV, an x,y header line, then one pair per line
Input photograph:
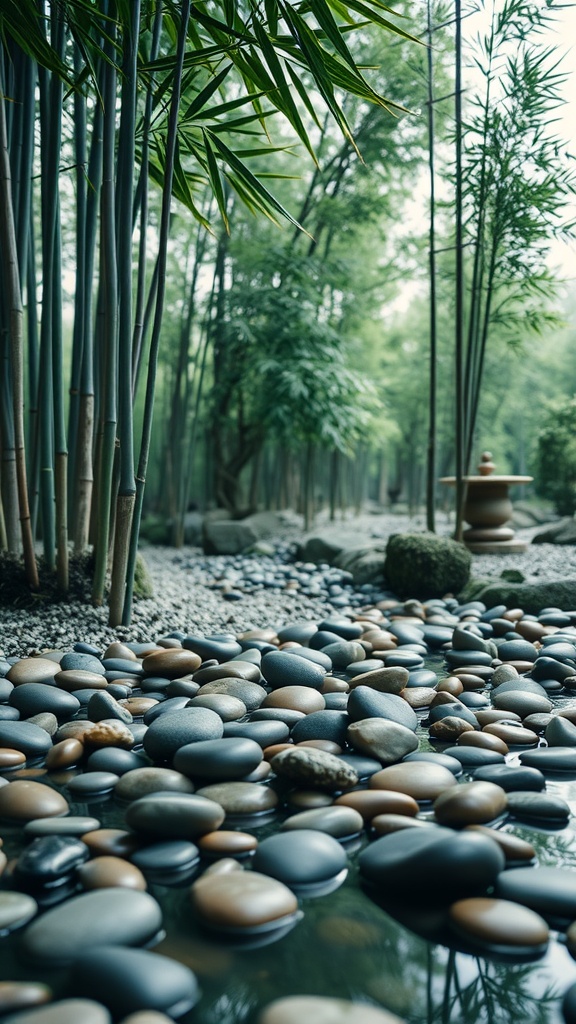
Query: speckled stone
x,y
449,729
106,872
315,769
251,694
323,1010
108,734
33,670
119,916
498,924
16,909
421,780
239,901
339,821
386,741
470,803
241,797
64,1011
174,815
127,980
386,680
23,800
142,781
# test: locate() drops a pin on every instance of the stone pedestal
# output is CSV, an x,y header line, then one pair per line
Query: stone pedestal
x,y
488,508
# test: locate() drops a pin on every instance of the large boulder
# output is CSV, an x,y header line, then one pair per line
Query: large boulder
x,y
561,532
531,597
325,545
423,565
233,536
366,563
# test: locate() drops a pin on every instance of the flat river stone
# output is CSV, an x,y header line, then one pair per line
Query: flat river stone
x,y
539,807
142,781
92,784
472,803
35,698
227,843
169,732
499,925
16,909
231,757
20,995
317,769
263,732
80,679
303,857
124,917
365,702
171,664
421,780
251,694
391,679
23,800
517,851
171,855
174,815
241,797
64,1011
339,821
432,863
322,725
71,825
323,1010
30,739
128,980
242,901
512,777
370,802
228,707
384,740
550,759
522,702
296,698
550,892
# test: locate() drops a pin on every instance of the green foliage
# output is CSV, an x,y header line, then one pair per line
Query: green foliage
x,y
555,468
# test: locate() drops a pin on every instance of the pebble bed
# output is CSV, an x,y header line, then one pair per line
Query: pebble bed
x,y
262,735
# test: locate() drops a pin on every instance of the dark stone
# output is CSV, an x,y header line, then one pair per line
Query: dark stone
x,y
75,660
322,725
171,731
474,757
364,702
512,777
36,698
102,705
539,807
30,739
227,758
280,669
48,859
174,815
222,648
128,980
300,858
164,857
551,892
550,759
265,733
532,597
116,760
432,864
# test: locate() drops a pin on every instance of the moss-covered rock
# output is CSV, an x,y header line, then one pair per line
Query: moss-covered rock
x,y
423,565
531,597
142,581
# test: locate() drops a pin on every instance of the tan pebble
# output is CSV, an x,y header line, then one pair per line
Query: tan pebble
x,y
369,803
470,803
451,684
330,684
229,708
119,650
385,824
275,748
19,995
79,679
418,696
3,862
491,715
498,922
64,754
304,799
24,800
449,728
108,871
328,745
226,843
324,1010
241,901
138,706
114,842
169,664
10,758
295,698
514,848
147,1017
472,682
442,698
483,740
513,736
108,734
419,779
73,730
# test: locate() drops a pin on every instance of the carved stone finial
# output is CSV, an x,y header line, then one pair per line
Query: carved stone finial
x,y
486,466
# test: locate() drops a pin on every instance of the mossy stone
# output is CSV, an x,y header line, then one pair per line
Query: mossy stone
x,y
423,565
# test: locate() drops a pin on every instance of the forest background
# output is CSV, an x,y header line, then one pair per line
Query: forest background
x,y
278,311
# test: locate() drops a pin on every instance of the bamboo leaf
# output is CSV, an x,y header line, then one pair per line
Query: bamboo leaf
x,y
215,179
206,93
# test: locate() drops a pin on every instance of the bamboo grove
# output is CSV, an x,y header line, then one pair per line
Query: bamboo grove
x,y
102,105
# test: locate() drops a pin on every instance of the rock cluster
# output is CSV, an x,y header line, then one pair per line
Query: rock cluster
x,y
399,738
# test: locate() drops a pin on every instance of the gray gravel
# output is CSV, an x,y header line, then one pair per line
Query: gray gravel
x,y
188,596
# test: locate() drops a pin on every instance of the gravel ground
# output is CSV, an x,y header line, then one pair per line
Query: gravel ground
x,y
188,591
